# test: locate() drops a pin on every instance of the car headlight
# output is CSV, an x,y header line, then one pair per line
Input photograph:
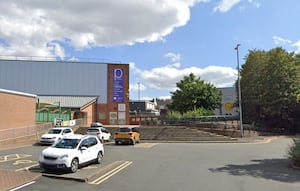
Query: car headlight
x,y
64,156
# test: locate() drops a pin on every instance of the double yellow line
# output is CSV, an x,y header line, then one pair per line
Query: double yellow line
x,y
111,173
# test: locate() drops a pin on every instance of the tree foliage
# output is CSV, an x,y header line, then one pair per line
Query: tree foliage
x,y
193,93
270,84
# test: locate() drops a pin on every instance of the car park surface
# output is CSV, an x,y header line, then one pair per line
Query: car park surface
x,y
177,166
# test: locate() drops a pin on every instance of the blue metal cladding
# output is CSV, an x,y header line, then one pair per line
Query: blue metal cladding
x,y
55,78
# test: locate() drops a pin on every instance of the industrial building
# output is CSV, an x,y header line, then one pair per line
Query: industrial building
x,y
92,90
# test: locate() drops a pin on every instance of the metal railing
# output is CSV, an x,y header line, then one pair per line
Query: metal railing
x,y
28,131
22,132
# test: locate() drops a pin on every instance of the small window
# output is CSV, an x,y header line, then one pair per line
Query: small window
x,y
67,131
104,130
92,141
85,143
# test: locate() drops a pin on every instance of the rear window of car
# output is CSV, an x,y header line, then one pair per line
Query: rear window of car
x,y
124,129
54,131
93,130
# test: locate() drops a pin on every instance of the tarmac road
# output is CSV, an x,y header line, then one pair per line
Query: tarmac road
x,y
187,166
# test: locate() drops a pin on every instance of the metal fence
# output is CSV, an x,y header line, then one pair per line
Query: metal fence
x,y
28,131
21,132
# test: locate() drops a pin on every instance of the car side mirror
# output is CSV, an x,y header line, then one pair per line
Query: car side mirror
x,y
83,148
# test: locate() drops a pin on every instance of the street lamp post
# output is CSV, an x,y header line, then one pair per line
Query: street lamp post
x,y
239,90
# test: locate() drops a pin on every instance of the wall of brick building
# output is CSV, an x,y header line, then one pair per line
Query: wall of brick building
x,y
106,111
16,109
90,114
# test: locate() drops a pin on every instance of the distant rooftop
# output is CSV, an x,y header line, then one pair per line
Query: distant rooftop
x,y
70,101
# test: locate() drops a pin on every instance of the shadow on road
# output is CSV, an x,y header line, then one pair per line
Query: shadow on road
x,y
274,169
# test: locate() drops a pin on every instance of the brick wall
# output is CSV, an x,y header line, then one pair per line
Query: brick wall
x,y
16,109
104,110
91,114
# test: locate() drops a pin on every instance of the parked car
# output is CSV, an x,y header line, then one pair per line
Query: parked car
x,y
96,124
127,135
55,134
72,152
101,132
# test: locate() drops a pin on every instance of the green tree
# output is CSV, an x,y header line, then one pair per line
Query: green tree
x,y
193,93
251,84
270,83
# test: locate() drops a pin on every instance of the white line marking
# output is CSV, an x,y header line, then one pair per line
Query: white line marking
x,y
145,145
27,167
111,173
22,186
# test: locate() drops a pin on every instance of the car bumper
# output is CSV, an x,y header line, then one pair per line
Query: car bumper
x,y
47,141
123,140
54,164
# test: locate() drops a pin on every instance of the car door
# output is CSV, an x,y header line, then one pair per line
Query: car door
x,y
94,147
66,132
84,151
106,134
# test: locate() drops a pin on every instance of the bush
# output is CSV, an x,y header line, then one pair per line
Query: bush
x,y
294,152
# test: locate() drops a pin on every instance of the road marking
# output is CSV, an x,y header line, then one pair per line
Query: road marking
x,y
27,167
13,157
145,145
111,173
89,167
22,186
17,162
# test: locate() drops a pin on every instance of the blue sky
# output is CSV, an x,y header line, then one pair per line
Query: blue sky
x,y
162,40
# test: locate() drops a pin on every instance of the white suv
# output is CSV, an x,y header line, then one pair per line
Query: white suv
x,y
55,134
97,129
72,152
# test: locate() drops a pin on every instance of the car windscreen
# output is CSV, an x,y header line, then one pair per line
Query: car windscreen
x,y
124,130
93,130
54,131
67,143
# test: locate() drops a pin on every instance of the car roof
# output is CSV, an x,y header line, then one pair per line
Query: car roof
x,y
128,127
61,128
79,136
96,124
94,128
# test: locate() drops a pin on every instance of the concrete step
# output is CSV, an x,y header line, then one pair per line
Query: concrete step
x,y
170,133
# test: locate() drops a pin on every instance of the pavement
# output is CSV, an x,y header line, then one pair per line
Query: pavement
x,y
10,179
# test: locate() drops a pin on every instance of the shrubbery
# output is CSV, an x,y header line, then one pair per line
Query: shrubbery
x,y
294,152
189,114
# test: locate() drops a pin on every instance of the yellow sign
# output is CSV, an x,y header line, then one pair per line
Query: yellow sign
x,y
228,106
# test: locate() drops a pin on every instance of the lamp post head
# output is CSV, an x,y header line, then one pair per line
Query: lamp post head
x,y
237,46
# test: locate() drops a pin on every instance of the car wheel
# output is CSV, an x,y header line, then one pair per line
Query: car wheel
x,y
74,165
99,157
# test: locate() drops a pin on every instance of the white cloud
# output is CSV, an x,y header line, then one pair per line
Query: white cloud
x,y
254,3
173,57
165,77
279,40
137,87
226,5
27,27
297,45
